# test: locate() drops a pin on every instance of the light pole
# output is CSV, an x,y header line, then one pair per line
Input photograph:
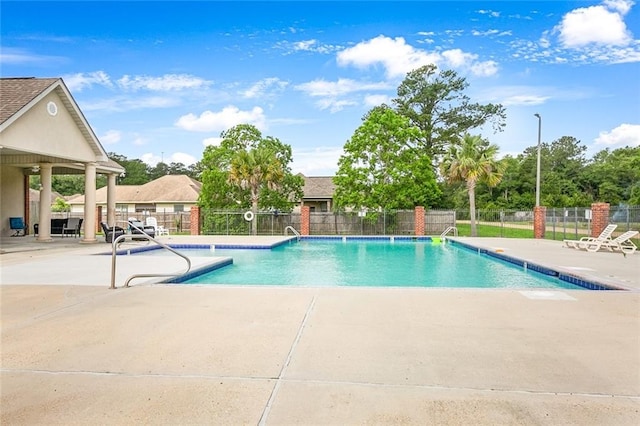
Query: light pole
x,y
538,163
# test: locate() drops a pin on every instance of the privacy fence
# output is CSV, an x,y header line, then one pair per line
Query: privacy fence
x,y
561,223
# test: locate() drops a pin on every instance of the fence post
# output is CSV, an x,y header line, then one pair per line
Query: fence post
x,y
599,218
305,220
418,224
539,221
194,224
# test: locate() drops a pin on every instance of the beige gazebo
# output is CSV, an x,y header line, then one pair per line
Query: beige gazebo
x,y
43,131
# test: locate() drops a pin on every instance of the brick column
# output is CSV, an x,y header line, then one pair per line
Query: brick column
x,y
418,224
194,221
599,218
539,221
305,220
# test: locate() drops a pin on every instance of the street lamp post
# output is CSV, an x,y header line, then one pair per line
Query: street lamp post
x,y
538,163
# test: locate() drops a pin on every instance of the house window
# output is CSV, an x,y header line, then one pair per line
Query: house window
x,y
144,208
178,207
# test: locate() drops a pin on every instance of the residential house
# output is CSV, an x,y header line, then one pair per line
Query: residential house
x,y
317,193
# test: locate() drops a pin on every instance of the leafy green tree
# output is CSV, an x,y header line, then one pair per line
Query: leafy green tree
x,y
136,171
253,170
380,169
436,103
614,176
472,160
60,205
157,171
220,192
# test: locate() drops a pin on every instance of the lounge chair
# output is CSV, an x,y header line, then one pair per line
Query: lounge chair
x,y
159,229
581,243
72,227
621,243
138,227
17,225
111,233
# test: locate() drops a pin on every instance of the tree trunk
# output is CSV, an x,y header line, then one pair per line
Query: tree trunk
x,y
254,221
471,189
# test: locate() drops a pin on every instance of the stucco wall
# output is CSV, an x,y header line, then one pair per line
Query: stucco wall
x,y
11,196
53,135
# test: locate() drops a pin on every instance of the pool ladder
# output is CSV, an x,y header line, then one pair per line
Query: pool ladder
x,y
449,229
292,229
114,249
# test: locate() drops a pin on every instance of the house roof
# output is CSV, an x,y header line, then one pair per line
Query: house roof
x,y
16,93
166,189
318,186
19,94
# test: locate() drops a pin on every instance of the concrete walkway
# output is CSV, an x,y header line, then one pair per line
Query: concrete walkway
x,y
167,354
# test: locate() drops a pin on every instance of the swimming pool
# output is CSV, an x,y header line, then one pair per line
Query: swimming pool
x,y
371,263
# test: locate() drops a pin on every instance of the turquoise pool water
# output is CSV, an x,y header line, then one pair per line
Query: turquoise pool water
x,y
320,263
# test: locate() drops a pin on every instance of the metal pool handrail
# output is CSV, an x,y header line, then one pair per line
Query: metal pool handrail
x,y
449,229
123,237
292,229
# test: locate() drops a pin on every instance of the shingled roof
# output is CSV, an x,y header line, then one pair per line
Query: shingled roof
x,y
166,189
16,93
318,186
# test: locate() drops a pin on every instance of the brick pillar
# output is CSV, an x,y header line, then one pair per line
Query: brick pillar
x,y
305,220
599,218
418,224
194,221
539,221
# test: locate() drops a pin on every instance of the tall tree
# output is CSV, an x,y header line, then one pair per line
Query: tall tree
x,y
380,169
472,160
253,170
219,192
436,103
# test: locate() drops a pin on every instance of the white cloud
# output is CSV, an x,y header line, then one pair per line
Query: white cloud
x,y
595,24
228,117
165,83
341,87
395,55
623,135
306,46
13,56
398,58
334,105
212,141
621,6
524,100
260,88
120,104
181,157
111,137
78,82
322,161
375,100
491,13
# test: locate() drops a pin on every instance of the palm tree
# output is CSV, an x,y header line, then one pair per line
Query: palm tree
x,y
253,169
472,160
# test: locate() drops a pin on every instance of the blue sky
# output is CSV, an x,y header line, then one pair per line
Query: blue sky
x,y
161,80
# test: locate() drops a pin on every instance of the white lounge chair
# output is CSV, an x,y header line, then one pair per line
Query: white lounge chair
x,y
160,230
581,243
621,243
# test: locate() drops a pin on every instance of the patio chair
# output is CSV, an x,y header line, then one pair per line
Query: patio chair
x,y
159,229
111,233
72,227
581,243
17,225
138,227
621,243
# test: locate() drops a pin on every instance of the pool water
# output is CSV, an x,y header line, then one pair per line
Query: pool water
x,y
331,263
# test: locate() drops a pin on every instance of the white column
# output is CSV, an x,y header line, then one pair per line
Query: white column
x,y
89,203
44,227
111,199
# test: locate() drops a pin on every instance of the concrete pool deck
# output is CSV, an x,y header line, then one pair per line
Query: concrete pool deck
x,y
74,352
